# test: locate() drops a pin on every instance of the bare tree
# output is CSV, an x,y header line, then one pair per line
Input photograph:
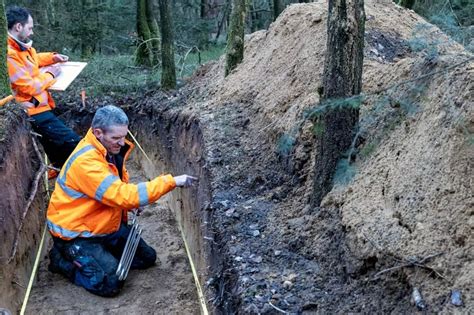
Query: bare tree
x,y
278,7
407,3
148,33
168,75
4,79
342,78
235,38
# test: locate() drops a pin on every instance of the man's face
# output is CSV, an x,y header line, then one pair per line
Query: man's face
x,y
24,31
113,139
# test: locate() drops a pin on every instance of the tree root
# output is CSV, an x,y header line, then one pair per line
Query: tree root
x,y
34,190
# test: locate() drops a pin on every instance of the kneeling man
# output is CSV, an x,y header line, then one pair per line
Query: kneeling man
x,y
87,213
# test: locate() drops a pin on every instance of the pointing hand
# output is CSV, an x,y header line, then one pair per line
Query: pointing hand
x,y
185,180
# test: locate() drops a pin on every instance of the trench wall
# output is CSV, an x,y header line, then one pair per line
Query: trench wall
x,y
173,141
18,166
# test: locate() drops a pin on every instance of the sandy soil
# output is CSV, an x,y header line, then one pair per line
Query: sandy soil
x,y
167,288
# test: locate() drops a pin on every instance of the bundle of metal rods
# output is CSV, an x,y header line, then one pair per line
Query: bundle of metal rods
x,y
130,248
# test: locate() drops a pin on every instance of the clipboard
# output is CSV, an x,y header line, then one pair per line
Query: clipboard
x,y
69,71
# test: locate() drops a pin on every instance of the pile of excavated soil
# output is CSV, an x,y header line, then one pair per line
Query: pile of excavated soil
x,y
167,288
411,196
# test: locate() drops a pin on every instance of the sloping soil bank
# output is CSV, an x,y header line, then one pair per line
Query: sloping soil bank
x,y
21,211
167,288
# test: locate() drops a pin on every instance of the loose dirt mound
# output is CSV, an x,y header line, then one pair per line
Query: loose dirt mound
x,y
411,196
167,288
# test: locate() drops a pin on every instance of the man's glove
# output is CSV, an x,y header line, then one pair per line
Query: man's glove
x,y
185,180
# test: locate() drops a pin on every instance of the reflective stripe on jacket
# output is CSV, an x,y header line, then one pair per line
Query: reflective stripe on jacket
x,y
26,79
89,196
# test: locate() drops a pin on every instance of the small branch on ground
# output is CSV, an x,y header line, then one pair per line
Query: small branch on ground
x,y
421,263
278,309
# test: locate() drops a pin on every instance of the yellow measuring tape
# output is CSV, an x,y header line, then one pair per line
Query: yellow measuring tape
x,y
202,301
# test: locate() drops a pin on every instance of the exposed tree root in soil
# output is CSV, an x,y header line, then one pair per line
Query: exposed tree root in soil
x,y
34,189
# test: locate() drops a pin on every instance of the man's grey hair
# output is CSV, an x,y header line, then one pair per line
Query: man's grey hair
x,y
109,116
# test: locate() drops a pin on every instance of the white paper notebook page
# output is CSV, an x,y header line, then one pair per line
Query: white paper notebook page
x,y
69,71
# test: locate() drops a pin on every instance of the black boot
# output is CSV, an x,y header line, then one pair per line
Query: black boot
x,y
58,264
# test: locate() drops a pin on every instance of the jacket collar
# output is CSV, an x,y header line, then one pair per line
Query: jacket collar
x,y
16,44
91,139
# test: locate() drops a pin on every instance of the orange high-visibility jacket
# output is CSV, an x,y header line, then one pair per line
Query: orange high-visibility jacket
x,y
28,83
89,197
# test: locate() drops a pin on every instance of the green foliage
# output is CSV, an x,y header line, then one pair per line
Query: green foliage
x,y
318,127
188,59
368,149
4,80
421,42
334,104
108,27
345,172
285,144
119,74
454,17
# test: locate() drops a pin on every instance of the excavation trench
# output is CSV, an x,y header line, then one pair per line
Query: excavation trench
x,y
173,143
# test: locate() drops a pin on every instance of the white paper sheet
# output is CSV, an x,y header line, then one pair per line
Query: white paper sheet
x,y
69,71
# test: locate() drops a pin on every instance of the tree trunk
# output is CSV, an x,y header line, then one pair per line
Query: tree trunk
x,y
168,75
144,54
235,38
148,50
86,28
154,32
204,7
221,22
5,89
342,78
278,7
407,3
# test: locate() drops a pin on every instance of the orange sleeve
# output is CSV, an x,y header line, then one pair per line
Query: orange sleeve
x,y
45,59
96,181
23,81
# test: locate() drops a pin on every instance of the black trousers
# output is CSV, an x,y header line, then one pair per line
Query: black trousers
x,y
58,140
95,260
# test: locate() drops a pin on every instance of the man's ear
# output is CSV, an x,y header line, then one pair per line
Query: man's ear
x,y
98,132
17,27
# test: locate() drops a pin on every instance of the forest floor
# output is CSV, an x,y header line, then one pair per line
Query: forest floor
x,y
167,288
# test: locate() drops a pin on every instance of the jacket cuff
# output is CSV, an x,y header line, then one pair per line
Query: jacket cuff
x,y
170,179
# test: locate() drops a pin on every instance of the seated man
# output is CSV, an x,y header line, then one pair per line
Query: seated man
x,y
31,74
87,212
